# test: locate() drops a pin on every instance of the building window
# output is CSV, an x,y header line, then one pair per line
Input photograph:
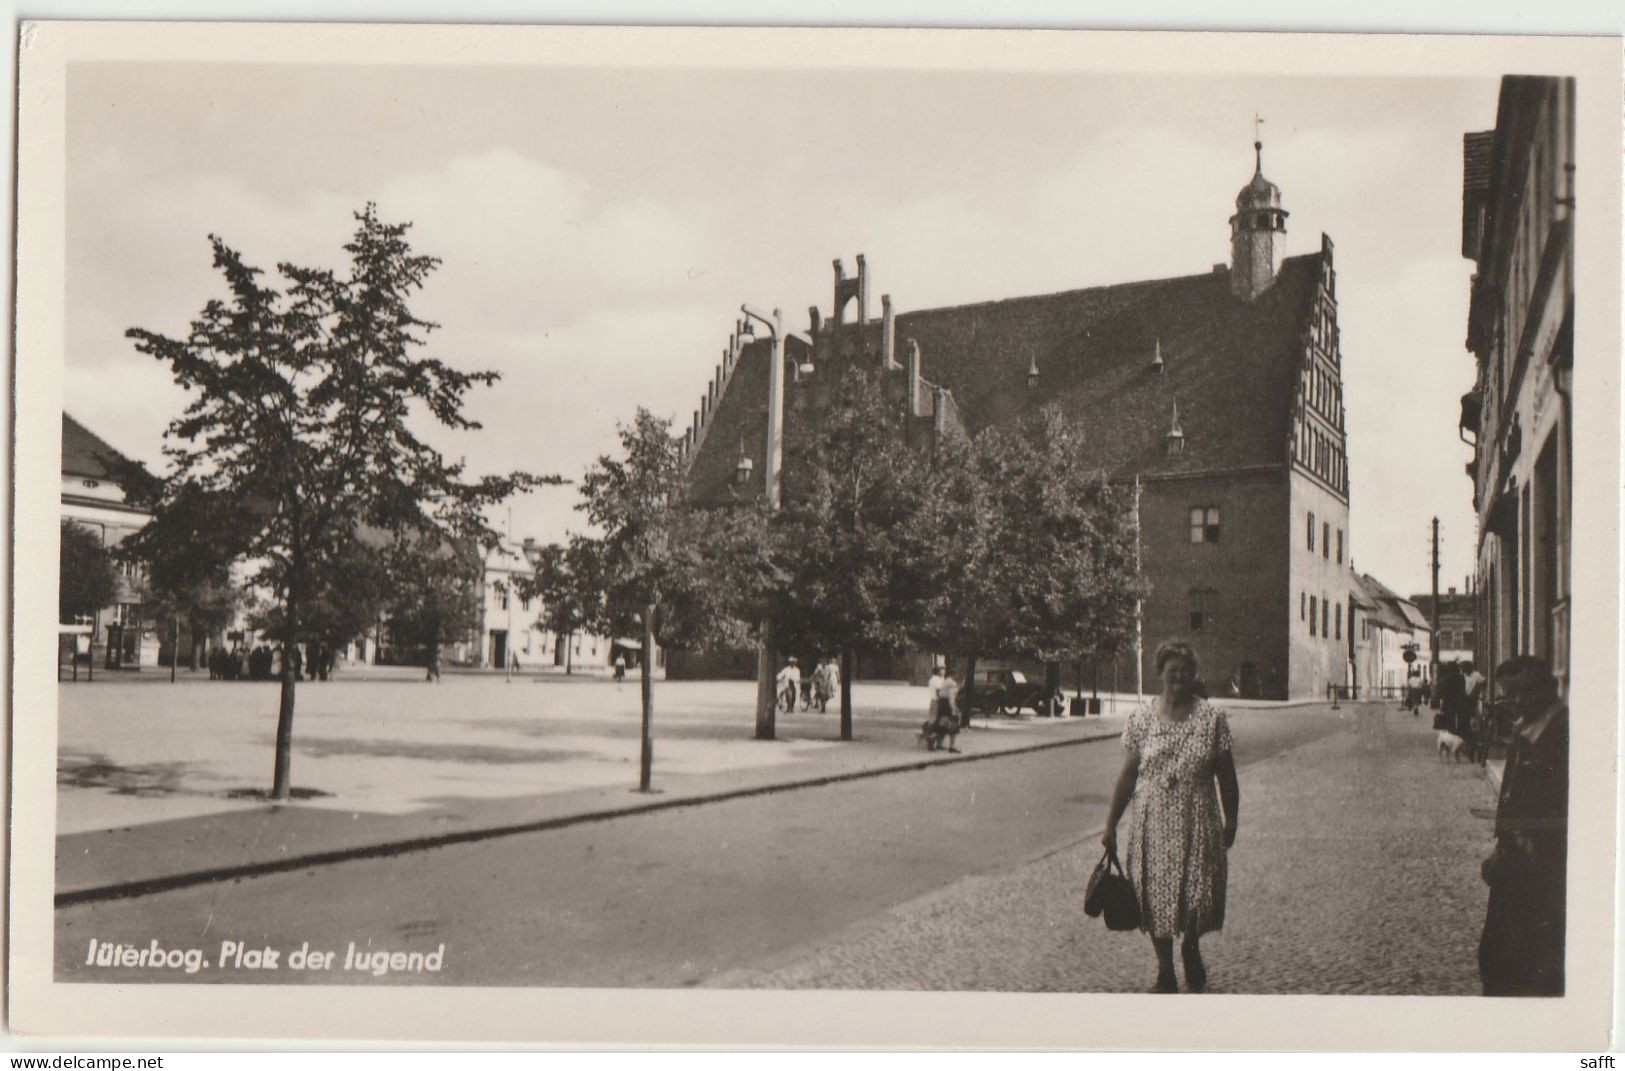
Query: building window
x,y
1445,636
1204,524
1340,546
1201,608
502,595
1325,618
1338,617
1303,605
524,603
1311,530
1467,639
1326,539
1312,615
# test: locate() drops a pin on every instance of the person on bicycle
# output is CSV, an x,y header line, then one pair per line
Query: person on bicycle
x,y
789,683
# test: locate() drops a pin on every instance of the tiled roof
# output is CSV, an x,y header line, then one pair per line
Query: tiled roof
x,y
1232,365
1477,150
84,453
1381,602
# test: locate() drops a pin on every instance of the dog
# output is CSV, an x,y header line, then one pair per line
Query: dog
x,y
1450,746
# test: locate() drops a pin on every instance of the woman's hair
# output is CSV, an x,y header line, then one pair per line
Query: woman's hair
x,y
1176,649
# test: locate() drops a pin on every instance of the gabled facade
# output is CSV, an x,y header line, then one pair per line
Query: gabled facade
x,y
1217,396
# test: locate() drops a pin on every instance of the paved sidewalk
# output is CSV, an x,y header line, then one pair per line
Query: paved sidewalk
x,y
157,785
1356,872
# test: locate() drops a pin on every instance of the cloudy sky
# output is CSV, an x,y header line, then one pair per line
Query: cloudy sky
x,y
599,228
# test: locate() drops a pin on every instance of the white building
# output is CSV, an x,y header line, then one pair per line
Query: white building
x,y
93,499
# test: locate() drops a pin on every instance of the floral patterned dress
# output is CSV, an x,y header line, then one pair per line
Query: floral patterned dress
x,y
1176,855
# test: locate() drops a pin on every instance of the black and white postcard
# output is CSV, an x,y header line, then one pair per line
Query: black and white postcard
x,y
768,537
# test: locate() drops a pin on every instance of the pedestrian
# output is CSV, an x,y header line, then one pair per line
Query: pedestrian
x,y
942,718
824,683
1477,712
1454,716
620,667
789,683
1520,953
1177,773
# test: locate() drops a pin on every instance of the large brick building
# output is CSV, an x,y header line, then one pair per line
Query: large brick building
x,y
1218,396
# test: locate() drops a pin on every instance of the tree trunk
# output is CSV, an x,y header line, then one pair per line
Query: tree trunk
x,y
646,756
174,646
970,687
767,697
281,784
1052,685
847,661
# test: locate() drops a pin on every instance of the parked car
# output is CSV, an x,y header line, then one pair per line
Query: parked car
x,y
1008,692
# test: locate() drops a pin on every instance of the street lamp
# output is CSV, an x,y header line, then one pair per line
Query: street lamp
x,y
766,699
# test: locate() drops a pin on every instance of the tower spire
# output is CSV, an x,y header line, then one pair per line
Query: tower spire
x,y
1258,229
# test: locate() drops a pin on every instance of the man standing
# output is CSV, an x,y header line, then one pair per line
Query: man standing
x,y
789,684
1521,950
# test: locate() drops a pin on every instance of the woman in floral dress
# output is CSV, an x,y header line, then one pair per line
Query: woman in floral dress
x,y
1177,770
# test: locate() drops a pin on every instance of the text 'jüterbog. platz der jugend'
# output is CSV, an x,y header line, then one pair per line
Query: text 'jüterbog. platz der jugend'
x,y
240,956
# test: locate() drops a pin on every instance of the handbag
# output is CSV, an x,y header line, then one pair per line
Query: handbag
x,y
1111,894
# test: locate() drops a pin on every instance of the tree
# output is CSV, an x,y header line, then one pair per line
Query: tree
x,y
436,593
667,569
569,583
1061,558
853,485
302,398
184,553
88,579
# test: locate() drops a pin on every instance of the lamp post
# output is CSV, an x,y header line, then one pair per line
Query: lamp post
x,y
766,698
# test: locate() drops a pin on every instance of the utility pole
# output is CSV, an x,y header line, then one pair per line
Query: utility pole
x,y
1433,661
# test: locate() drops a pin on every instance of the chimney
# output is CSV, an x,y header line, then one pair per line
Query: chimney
x,y
888,334
915,408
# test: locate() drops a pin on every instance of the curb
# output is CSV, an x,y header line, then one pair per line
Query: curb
x,y
188,879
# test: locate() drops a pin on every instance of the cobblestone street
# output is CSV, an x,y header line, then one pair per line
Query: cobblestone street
x,y
1356,871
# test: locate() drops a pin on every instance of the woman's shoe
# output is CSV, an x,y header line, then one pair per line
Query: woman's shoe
x,y
1195,971
1165,983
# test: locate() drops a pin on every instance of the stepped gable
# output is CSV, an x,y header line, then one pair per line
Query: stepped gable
x,y
1232,365
739,415
84,453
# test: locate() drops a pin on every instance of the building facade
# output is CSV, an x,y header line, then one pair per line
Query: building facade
x,y
116,636
1216,396
1458,623
1518,229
